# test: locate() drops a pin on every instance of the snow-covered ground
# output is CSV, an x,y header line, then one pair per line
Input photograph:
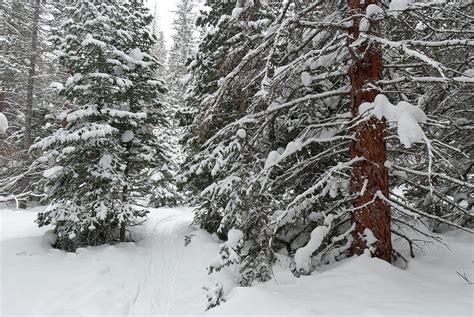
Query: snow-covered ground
x,y
158,275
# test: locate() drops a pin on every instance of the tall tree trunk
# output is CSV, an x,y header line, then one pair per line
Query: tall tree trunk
x,y
29,92
31,77
369,174
127,189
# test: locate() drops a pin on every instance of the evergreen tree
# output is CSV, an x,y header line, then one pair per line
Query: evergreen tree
x,y
182,49
106,146
159,49
27,69
218,168
310,168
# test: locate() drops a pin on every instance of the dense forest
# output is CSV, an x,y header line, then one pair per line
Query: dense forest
x,y
298,133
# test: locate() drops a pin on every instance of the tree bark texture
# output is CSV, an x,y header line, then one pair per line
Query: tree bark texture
x,y
369,144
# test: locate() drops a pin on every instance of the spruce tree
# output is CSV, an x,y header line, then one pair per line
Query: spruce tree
x,y
175,70
219,166
103,151
350,106
27,69
181,51
159,49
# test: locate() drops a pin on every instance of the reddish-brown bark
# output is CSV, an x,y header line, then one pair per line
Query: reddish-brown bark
x,y
369,144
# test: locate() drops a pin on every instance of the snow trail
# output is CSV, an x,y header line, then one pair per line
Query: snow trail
x,y
157,290
156,276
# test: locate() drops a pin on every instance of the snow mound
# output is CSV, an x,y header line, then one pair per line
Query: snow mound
x,y
155,276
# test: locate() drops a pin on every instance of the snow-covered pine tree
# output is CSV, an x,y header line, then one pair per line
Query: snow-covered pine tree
x,y
159,49
107,136
160,53
203,71
151,173
27,69
317,201
157,162
442,34
218,169
181,51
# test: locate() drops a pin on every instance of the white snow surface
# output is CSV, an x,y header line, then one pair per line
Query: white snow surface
x,y
158,276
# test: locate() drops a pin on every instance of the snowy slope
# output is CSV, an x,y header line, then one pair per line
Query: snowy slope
x,y
158,275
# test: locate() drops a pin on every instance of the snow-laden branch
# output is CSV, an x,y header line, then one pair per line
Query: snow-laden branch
x,y
403,207
292,209
411,52
433,174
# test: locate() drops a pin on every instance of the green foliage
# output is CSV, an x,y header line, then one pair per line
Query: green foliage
x,y
106,152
